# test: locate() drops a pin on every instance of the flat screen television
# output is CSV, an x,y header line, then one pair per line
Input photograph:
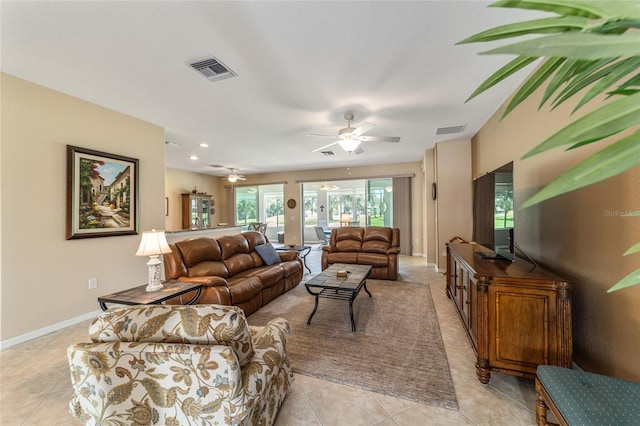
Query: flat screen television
x,y
493,213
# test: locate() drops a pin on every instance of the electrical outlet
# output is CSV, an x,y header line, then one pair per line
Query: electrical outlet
x,y
93,283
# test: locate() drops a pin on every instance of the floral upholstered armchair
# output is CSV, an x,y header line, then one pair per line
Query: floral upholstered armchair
x,y
179,365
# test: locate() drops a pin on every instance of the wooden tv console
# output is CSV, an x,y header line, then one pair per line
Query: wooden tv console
x,y
517,315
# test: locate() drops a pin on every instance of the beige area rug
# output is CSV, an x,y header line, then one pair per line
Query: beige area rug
x,y
397,349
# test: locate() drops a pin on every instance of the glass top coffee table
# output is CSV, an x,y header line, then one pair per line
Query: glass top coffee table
x,y
329,286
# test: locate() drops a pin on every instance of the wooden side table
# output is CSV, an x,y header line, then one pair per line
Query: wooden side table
x,y
139,295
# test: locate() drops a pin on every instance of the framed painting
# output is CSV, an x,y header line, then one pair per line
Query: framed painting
x,y
102,194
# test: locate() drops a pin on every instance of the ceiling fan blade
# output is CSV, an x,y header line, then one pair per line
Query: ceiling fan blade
x,y
363,128
322,136
379,138
323,147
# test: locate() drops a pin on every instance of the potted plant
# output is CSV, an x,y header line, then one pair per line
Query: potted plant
x,y
587,44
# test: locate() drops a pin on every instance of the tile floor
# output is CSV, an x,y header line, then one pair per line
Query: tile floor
x,y
35,386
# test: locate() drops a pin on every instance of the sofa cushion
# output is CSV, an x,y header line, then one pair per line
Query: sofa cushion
x,y
209,269
239,262
198,250
343,257
233,244
291,267
268,254
376,260
376,240
192,324
269,275
255,239
243,289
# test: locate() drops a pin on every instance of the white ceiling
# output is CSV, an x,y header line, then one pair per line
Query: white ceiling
x,y
301,65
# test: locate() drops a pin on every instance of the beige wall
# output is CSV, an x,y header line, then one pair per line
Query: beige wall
x,y
429,208
574,234
453,204
44,276
178,182
292,189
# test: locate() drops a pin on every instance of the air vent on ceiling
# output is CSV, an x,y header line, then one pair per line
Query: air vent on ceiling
x,y
450,130
213,69
327,153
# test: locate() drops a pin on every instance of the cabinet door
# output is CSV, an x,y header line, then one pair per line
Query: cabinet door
x,y
473,311
464,295
204,213
521,325
195,220
452,272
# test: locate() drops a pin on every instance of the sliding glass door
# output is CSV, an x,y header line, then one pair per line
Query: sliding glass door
x,y
260,204
355,202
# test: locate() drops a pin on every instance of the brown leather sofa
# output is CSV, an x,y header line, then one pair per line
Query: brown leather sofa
x,y
231,270
375,245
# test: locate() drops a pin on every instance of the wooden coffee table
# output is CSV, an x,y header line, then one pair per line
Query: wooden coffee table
x,y
139,295
329,286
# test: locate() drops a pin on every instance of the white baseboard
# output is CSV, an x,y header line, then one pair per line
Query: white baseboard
x,y
5,344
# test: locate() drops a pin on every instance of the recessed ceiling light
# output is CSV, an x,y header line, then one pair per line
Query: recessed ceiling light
x,y
193,157
204,145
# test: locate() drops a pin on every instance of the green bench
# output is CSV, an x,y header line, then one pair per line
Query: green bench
x,y
579,398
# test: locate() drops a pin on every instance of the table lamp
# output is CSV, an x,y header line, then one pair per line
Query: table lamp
x,y
152,244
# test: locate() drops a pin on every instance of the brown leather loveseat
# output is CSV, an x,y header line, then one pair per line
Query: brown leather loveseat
x,y
375,245
232,271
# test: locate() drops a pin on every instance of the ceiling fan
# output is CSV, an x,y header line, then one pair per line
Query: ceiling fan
x,y
349,138
326,187
234,177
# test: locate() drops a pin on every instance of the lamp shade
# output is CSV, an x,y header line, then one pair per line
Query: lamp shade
x,y
152,243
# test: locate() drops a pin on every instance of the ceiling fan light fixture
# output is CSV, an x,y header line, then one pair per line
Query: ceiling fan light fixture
x,y
349,145
232,178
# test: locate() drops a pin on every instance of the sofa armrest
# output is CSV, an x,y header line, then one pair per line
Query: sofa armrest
x,y
210,281
127,383
330,249
287,255
393,250
215,291
268,376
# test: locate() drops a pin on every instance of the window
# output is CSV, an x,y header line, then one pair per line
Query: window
x,y
347,203
261,204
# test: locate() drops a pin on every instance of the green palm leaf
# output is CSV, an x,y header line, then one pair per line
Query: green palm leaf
x,y
534,82
633,249
617,71
575,45
612,160
536,26
593,72
589,9
512,67
609,119
628,281
599,53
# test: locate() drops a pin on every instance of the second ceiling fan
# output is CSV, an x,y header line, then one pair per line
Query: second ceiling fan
x,y
349,138
234,176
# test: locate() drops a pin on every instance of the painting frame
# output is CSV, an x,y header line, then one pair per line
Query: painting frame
x,y
102,194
